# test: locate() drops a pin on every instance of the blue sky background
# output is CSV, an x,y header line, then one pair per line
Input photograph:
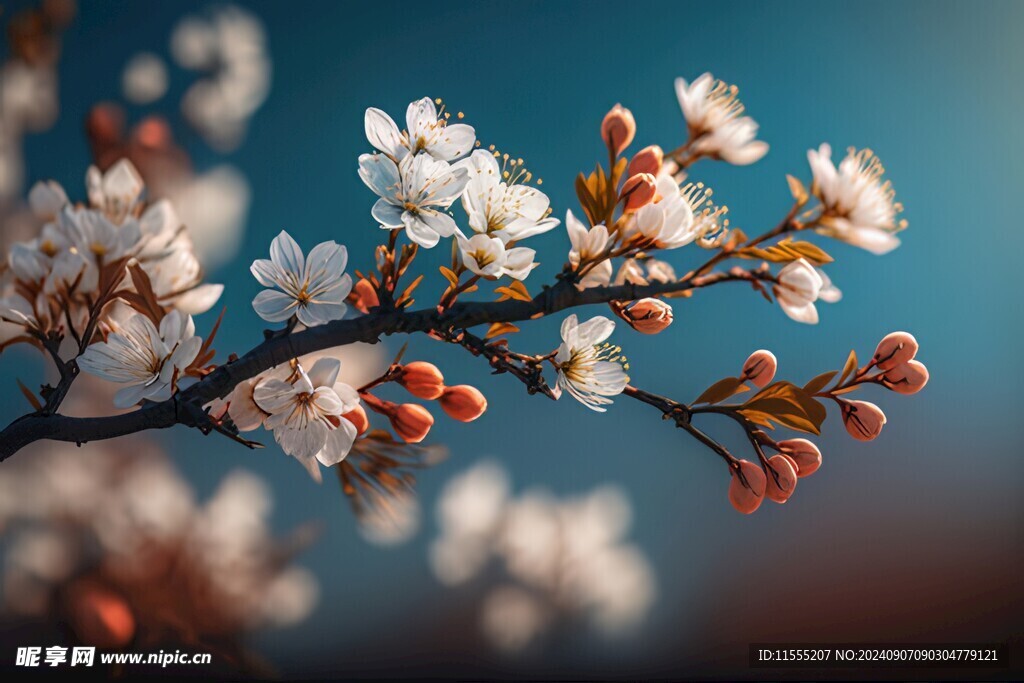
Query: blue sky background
x,y
933,87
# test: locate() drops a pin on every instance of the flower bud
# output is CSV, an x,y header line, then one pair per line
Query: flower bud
x,y
647,160
863,420
359,419
647,316
760,368
463,403
364,296
638,191
618,129
894,349
744,499
422,380
412,422
907,378
785,473
804,453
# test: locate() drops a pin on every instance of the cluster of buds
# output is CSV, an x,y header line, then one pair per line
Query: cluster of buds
x,y
777,476
892,366
411,421
897,370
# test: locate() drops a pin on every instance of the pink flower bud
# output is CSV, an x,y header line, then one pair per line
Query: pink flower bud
x,y
647,160
894,349
647,316
804,453
412,422
618,129
785,473
422,380
638,191
863,420
359,419
463,403
907,378
744,499
760,368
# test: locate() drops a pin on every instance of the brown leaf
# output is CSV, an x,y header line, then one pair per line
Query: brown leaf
x,y
851,365
797,189
450,276
511,292
811,252
721,390
32,398
819,382
499,329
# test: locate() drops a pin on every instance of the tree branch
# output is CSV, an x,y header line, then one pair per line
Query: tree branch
x,y
185,406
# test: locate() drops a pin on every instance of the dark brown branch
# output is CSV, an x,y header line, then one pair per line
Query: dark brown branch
x,y
186,406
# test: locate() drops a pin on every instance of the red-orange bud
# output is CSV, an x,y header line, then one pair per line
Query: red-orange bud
x,y
618,129
359,419
422,380
863,420
895,349
99,616
463,403
647,160
907,378
804,453
638,191
782,483
648,316
364,296
745,499
760,368
412,422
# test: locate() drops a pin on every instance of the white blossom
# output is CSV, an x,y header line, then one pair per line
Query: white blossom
x,y
500,207
305,414
426,132
800,285
414,194
312,288
714,115
488,256
589,245
859,208
149,359
589,369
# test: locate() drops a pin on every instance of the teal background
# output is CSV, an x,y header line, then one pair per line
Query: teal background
x,y
917,535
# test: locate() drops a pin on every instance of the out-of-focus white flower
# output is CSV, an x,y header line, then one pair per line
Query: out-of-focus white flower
x,y
148,359
116,191
144,79
390,519
305,414
213,205
589,369
414,194
564,558
498,206
427,132
589,245
714,115
513,617
859,208
230,43
487,256
312,288
799,287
